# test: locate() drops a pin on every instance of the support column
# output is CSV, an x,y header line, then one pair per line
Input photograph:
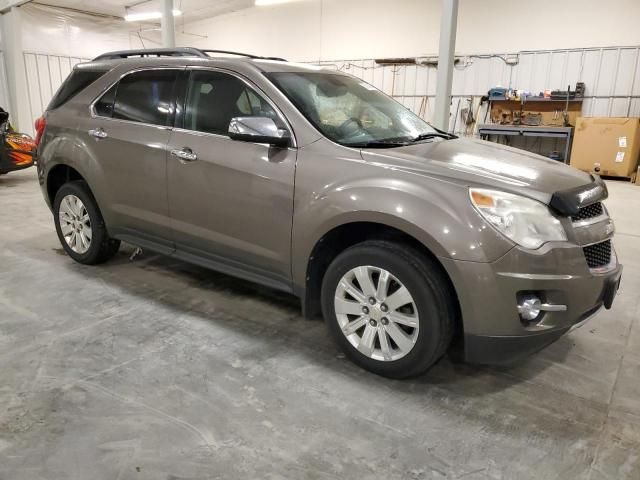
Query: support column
x,y
446,54
168,27
19,105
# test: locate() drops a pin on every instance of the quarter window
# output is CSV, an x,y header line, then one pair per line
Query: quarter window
x,y
214,98
104,106
145,97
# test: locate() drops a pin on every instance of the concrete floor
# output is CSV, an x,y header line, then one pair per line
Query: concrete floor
x,y
155,369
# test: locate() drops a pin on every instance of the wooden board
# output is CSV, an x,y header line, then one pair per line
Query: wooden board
x,y
502,112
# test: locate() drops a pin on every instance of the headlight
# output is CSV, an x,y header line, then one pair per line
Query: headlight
x,y
527,222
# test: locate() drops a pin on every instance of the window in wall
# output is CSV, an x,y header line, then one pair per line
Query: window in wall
x,y
214,98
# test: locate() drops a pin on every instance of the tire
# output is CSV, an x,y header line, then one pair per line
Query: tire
x,y
428,320
100,247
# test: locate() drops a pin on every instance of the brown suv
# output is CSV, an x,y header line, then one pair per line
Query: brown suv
x,y
312,181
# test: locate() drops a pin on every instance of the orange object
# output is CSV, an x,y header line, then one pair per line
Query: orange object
x,y
17,152
482,200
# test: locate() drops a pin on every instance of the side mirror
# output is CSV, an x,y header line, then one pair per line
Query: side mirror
x,y
258,130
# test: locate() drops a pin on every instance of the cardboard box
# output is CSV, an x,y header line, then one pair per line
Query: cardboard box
x,y
608,146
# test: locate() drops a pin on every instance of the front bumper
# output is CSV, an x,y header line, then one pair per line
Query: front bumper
x,y
494,333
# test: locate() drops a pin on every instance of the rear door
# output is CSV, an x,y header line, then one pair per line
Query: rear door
x,y
232,204
127,135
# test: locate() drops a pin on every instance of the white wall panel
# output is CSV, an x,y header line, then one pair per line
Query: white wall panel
x,y
539,74
557,69
635,84
634,108
44,74
606,73
73,33
626,69
319,31
4,89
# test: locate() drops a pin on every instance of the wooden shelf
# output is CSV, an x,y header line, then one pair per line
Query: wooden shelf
x,y
535,99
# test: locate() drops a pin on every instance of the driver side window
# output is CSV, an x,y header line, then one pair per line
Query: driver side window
x,y
214,98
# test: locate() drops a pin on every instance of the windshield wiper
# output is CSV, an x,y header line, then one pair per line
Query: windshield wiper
x,y
378,144
427,136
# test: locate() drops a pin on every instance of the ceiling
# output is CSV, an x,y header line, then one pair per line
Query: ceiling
x,y
191,9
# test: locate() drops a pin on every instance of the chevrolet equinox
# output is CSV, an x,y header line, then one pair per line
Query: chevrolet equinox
x,y
311,181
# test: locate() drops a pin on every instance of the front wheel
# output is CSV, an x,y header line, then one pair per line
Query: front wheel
x,y
390,308
80,226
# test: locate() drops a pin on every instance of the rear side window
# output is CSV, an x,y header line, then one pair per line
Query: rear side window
x,y
145,97
78,80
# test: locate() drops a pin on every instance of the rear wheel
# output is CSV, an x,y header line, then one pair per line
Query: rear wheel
x,y
389,307
80,225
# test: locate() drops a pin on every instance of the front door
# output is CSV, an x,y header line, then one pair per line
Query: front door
x,y
231,202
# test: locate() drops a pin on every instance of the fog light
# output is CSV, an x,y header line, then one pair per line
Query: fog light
x,y
529,307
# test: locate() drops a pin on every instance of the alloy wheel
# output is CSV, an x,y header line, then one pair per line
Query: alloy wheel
x,y
75,224
376,313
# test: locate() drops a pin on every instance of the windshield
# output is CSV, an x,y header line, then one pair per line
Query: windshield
x,y
349,111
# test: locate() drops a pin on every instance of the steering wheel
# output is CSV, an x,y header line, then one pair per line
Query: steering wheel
x,y
350,127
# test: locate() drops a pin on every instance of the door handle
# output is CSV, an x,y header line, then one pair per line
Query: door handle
x,y
185,155
98,133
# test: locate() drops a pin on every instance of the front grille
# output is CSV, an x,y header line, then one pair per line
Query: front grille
x,y
598,255
590,211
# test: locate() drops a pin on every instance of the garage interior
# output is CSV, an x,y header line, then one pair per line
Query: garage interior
x,y
148,367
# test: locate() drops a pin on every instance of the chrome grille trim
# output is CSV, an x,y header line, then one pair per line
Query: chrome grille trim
x,y
590,221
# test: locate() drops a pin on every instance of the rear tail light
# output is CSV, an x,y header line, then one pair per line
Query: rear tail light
x,y
41,123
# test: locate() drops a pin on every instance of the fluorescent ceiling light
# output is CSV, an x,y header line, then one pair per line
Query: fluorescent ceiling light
x,y
263,3
141,17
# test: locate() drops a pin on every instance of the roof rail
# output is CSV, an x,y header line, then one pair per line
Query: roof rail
x,y
248,55
153,52
175,52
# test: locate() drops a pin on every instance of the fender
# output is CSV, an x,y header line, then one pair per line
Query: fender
x,y
413,207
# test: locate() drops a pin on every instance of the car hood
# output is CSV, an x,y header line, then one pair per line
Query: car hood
x,y
481,163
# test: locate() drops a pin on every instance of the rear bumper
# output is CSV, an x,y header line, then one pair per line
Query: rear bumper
x,y
494,333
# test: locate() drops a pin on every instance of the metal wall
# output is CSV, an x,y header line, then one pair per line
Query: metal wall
x,y
611,75
44,73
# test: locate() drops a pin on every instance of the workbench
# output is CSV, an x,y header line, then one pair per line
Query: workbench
x,y
565,133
